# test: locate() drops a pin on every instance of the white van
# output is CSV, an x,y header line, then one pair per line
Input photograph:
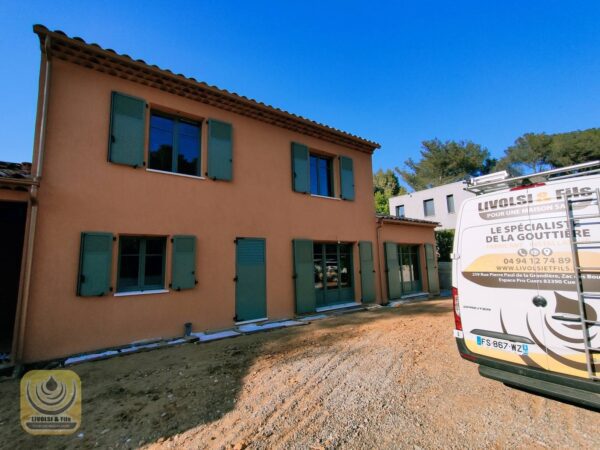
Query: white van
x,y
526,281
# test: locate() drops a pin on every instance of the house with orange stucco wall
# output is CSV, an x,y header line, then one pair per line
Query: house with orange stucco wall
x,y
158,203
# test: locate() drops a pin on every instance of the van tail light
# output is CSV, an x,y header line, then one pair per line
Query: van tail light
x,y
457,321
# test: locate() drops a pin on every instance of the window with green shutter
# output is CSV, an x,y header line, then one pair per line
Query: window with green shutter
x,y
220,150
347,178
127,130
141,263
95,260
183,266
300,168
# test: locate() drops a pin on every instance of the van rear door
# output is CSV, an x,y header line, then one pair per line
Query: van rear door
x,y
495,284
555,264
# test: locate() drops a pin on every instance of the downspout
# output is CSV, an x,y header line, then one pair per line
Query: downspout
x,y
22,313
378,241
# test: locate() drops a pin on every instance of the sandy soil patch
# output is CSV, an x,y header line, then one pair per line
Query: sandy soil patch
x,y
386,378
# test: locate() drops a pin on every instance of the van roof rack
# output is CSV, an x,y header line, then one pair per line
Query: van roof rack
x,y
500,180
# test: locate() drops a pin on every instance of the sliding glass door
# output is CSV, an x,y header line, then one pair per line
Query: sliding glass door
x,y
410,270
333,273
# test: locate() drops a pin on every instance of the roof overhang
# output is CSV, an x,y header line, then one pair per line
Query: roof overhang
x,y
406,221
75,50
17,183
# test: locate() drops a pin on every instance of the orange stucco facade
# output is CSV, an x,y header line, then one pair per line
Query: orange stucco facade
x,y
80,191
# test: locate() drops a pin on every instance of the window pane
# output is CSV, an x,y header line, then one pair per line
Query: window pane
x,y
154,263
188,149
161,143
331,266
345,265
128,275
130,245
414,256
428,207
161,123
153,273
400,211
450,203
324,182
318,261
155,246
405,270
129,264
314,176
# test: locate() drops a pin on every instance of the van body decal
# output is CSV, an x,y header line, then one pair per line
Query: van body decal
x,y
560,359
525,358
527,204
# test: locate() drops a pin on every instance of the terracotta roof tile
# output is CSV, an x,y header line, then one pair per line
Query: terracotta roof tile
x,y
77,50
15,170
405,220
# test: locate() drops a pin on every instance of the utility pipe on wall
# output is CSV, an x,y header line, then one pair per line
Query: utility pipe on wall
x,y
19,336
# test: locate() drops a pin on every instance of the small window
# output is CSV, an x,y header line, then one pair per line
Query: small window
x,y
321,176
400,211
428,207
450,203
174,145
141,263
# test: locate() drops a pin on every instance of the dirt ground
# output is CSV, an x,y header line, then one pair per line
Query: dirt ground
x,y
387,378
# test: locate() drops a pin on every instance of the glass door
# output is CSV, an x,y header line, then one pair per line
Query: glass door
x,y
333,273
410,270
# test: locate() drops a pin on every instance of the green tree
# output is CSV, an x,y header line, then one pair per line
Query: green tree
x,y
530,153
444,240
534,152
575,147
446,162
385,185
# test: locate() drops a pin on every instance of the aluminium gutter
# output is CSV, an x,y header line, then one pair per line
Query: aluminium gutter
x,y
25,282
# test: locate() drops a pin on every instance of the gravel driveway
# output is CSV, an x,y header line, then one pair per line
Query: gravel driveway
x,y
386,378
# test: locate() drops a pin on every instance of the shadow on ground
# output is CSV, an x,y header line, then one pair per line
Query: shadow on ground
x,y
143,398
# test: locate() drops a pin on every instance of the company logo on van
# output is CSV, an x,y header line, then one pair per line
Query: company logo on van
x,y
529,204
567,333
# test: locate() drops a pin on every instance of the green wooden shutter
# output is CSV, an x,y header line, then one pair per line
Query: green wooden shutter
x,y
300,168
183,266
432,272
347,178
251,287
127,130
392,267
95,263
220,150
304,276
367,271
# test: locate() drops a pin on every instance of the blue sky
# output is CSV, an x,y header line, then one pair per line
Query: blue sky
x,y
395,72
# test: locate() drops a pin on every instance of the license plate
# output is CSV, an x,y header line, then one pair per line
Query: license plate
x,y
506,346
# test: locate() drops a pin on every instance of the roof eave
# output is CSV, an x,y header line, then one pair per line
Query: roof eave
x,y
217,97
417,222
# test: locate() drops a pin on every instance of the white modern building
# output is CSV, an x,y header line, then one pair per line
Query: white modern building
x,y
438,204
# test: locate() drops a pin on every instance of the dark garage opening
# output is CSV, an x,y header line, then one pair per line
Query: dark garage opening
x,y
12,233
